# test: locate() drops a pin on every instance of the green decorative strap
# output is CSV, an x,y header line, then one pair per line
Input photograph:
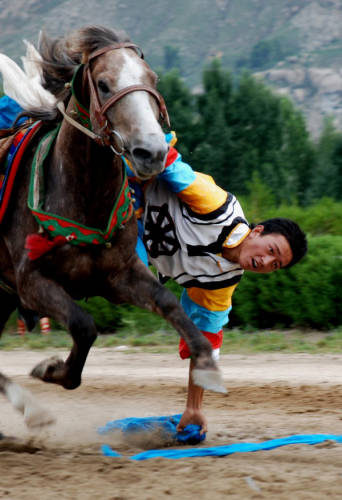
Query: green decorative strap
x,y
55,225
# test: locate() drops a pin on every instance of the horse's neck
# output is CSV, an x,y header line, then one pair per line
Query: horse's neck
x,y
84,178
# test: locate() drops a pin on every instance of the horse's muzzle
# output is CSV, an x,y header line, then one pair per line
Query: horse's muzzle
x,y
148,161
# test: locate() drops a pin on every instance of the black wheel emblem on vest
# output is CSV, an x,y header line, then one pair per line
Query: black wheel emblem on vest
x,y
160,234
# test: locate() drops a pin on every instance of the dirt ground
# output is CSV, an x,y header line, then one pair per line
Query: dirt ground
x,y
270,396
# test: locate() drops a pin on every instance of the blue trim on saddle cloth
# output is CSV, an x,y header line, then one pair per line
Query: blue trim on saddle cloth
x,y
9,110
5,171
209,321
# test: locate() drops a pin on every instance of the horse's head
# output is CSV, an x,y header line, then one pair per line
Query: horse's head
x,y
125,107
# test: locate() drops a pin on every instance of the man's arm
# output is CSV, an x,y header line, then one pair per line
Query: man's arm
x,y
193,413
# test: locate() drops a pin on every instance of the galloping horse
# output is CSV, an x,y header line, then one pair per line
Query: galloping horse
x,y
71,206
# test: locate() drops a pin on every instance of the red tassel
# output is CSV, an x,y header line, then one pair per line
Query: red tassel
x,y
38,244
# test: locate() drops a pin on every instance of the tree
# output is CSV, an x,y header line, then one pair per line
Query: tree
x,y
180,105
171,58
326,179
270,136
213,133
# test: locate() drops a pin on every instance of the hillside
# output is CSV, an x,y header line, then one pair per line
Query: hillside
x,y
296,45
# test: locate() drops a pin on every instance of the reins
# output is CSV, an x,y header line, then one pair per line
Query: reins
x,y
106,136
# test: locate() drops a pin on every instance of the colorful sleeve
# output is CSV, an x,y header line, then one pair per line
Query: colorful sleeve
x,y
209,310
197,190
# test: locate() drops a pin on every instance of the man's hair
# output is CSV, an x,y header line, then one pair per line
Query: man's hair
x,y
292,232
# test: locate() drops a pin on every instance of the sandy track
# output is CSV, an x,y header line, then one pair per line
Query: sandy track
x,y
270,396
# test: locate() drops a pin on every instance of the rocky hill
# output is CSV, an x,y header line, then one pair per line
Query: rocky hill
x,y
295,45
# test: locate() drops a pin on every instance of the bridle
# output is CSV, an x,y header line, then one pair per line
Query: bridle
x,y
105,138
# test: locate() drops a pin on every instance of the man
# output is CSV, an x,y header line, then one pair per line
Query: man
x,y
196,233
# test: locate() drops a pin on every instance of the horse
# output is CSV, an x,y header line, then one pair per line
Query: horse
x,y
70,231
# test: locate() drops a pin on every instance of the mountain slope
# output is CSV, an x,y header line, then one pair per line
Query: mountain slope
x,y
257,34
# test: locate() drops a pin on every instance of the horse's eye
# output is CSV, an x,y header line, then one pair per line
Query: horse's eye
x,y
103,87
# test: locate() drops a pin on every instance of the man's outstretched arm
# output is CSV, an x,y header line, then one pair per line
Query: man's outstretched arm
x,y
193,413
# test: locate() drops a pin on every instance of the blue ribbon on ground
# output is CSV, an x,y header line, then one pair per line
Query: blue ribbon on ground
x,y
167,425
221,451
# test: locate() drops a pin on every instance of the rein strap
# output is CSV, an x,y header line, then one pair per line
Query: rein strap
x,y
61,108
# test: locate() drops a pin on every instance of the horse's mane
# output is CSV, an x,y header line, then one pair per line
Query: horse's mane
x,y
61,56
46,71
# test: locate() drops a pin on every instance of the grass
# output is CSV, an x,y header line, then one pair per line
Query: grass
x,y
161,341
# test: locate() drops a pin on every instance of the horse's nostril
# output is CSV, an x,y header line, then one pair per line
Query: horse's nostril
x,y
142,154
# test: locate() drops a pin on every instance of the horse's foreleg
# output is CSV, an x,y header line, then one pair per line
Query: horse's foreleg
x,y
23,401
50,299
138,286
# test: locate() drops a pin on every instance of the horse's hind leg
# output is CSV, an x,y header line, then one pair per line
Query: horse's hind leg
x,y
138,286
23,401
50,299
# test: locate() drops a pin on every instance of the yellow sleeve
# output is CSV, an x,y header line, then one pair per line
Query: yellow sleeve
x,y
203,195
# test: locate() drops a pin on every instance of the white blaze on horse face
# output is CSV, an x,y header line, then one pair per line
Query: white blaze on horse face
x,y
136,118
139,105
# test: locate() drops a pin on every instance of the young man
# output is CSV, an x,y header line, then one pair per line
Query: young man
x,y
196,233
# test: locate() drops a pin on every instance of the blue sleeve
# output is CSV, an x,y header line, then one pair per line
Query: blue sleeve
x,y
177,174
9,109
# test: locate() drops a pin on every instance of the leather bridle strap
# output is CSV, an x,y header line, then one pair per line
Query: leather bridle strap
x,y
133,88
99,110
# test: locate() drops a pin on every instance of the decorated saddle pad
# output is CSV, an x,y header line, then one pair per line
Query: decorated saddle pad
x,y
12,148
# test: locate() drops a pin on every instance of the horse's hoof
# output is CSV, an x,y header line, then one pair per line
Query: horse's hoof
x,y
35,416
210,380
50,370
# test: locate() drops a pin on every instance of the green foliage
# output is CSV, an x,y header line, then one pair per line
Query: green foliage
x,y
327,173
267,53
107,316
171,58
260,202
309,294
232,130
180,108
322,217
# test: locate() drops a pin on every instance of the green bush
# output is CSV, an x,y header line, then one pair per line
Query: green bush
x,y
107,316
309,294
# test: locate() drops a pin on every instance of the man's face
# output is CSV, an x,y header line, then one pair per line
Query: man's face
x,y
264,254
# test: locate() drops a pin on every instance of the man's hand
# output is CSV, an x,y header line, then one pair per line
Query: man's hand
x,y
193,416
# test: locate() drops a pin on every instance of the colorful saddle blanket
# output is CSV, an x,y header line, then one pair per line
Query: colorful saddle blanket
x,y
9,164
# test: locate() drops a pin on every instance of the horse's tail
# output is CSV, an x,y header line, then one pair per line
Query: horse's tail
x,y
26,87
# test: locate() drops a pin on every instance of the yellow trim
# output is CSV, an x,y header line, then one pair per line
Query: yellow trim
x,y
214,300
174,138
238,242
139,212
203,195
129,163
